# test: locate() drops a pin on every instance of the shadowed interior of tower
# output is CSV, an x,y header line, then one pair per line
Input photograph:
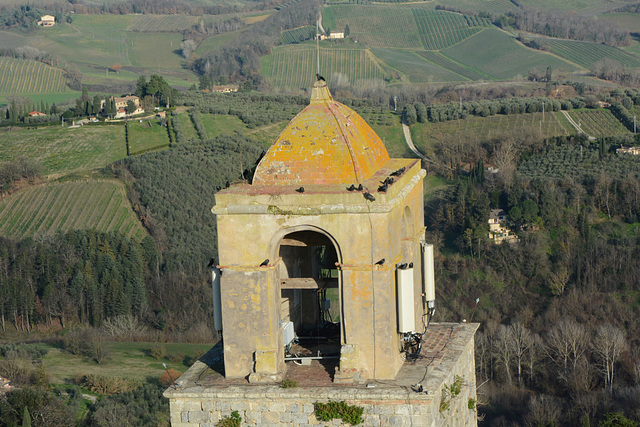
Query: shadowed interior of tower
x,y
310,306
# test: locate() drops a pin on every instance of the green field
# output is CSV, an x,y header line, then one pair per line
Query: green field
x,y
375,26
64,150
48,208
96,42
414,67
586,7
162,23
146,135
586,54
294,67
214,42
128,360
628,21
598,123
439,29
497,54
426,136
495,7
447,63
21,76
216,125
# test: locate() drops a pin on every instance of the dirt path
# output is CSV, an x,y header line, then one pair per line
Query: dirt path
x,y
577,126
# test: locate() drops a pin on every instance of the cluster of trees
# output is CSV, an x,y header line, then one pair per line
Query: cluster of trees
x,y
174,190
84,276
254,109
460,110
239,61
24,17
565,26
156,90
20,168
612,70
575,267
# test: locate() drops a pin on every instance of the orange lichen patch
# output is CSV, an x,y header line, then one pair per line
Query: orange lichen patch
x,y
326,143
371,184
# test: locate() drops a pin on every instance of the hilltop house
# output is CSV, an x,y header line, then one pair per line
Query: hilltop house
x,y
36,113
121,105
47,21
630,150
498,229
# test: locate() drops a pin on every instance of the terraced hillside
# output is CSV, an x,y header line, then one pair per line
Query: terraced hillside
x,y
64,150
294,67
586,54
48,208
497,54
22,76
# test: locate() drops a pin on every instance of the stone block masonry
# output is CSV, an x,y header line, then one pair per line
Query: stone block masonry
x,y
204,397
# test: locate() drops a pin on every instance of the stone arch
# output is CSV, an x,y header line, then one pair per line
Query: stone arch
x,y
310,287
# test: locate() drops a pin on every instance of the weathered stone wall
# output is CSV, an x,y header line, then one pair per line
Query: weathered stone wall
x,y
387,404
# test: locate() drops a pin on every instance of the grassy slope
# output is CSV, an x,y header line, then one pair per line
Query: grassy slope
x,y
64,150
425,136
498,54
48,208
145,135
128,360
415,68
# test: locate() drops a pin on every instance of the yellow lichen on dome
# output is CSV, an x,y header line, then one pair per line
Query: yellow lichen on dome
x,y
326,143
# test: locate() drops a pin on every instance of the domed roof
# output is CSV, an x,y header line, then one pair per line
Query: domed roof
x,y
326,143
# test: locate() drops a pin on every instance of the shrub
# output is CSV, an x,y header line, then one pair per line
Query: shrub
x,y
287,383
107,385
157,352
233,420
169,377
334,409
175,357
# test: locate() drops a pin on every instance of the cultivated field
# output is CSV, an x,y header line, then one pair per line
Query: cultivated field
x,y
375,26
48,208
21,76
598,122
96,42
162,23
297,35
439,29
447,63
414,67
586,54
481,129
146,135
497,54
63,150
294,67
495,7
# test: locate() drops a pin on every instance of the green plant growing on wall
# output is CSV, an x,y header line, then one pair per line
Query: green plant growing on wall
x,y
233,420
451,392
472,404
350,414
287,383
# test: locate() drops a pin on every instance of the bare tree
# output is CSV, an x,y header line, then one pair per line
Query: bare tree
x,y
567,341
521,343
544,410
503,350
188,47
608,344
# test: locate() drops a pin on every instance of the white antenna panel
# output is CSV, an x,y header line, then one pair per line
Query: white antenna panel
x,y
406,309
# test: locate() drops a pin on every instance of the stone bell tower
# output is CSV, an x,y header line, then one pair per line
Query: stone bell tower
x,y
320,282
327,209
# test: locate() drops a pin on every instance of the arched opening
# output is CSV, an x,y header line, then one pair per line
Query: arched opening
x,y
310,298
